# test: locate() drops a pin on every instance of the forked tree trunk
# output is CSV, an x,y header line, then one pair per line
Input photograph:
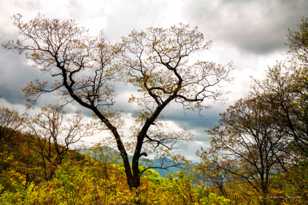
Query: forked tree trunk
x,y
133,181
132,173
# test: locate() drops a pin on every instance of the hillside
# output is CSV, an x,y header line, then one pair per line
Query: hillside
x,y
80,179
19,153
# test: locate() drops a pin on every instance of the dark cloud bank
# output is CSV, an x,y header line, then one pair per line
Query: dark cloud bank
x,y
257,26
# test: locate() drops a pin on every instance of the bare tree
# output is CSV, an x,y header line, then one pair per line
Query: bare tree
x,y
298,41
213,170
85,69
286,87
249,138
56,134
9,119
286,91
10,123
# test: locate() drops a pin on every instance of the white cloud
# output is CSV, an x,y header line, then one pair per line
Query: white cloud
x,y
249,34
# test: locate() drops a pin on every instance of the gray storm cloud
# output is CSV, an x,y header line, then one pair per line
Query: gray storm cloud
x,y
14,74
258,26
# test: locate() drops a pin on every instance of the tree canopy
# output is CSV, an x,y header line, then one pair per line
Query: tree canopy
x,y
158,62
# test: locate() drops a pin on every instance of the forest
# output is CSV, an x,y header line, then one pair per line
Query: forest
x,y
256,155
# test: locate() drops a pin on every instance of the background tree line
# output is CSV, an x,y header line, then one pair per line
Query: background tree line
x,y
262,138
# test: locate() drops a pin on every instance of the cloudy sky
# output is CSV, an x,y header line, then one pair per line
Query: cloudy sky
x,y
249,33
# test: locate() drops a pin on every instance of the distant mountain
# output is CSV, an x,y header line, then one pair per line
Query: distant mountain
x,y
104,154
107,154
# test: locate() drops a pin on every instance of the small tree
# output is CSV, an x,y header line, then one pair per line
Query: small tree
x,y
9,119
250,140
10,122
286,87
56,134
156,62
298,41
213,170
285,90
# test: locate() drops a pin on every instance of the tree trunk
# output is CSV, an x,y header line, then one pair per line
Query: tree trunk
x,y
264,200
265,192
134,182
